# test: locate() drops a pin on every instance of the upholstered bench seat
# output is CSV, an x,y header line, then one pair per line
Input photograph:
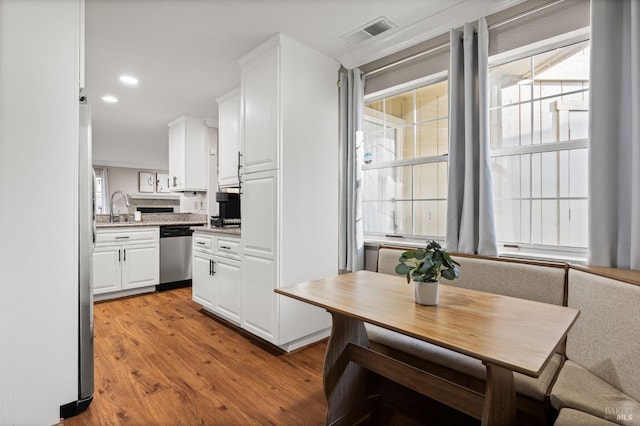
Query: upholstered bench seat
x,y
579,389
569,417
601,376
535,388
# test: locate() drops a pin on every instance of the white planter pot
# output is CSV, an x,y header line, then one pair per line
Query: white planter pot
x,y
426,293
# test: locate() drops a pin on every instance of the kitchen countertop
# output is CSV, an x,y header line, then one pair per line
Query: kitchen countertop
x,y
155,219
214,230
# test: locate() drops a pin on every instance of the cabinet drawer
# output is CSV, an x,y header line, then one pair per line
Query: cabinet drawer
x,y
203,242
127,235
229,247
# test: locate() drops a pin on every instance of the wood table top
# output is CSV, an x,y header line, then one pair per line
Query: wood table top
x,y
514,333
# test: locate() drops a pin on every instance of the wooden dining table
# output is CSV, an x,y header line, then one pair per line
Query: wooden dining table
x,y
507,334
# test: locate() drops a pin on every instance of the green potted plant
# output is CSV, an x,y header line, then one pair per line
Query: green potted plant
x,y
425,266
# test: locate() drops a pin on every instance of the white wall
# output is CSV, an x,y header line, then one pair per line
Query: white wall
x,y
124,179
39,68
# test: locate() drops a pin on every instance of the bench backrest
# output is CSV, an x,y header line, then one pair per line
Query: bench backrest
x,y
606,336
539,281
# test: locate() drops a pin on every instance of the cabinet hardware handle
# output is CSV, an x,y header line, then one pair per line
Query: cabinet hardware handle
x,y
225,247
122,238
214,267
119,255
210,267
125,255
200,243
175,181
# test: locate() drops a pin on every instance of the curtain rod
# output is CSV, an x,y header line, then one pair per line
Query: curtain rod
x,y
443,45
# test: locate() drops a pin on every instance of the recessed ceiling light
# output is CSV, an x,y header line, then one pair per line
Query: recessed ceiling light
x,y
110,99
129,80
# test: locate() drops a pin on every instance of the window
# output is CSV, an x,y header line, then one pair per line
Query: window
x,y
406,140
539,142
100,189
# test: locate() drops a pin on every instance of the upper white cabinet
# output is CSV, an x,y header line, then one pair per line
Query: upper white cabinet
x,y
188,154
228,138
289,175
260,115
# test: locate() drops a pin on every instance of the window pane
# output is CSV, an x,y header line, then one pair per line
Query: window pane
x,y
432,102
430,181
578,158
387,217
430,218
386,184
400,109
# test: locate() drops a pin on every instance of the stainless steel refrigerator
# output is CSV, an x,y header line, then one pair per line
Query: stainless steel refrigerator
x,y
86,235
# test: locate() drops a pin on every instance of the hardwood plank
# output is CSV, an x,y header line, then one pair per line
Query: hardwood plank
x,y
160,360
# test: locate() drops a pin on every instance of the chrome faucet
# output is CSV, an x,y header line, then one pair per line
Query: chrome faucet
x,y
126,203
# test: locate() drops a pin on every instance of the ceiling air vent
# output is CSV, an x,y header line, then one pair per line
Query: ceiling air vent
x,y
369,30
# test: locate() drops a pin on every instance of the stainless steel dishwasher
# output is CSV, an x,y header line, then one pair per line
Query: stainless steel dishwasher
x,y
175,256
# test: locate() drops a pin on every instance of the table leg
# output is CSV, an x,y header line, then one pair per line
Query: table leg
x,y
344,381
499,398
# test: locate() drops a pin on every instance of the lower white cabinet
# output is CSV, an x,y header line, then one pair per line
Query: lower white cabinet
x,y
126,259
202,279
216,275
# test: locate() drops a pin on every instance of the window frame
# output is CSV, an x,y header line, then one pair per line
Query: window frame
x,y
530,250
383,237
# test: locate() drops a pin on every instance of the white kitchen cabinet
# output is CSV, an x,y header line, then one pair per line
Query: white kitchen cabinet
x,y
107,271
228,138
188,154
202,279
216,274
126,261
227,288
260,112
289,144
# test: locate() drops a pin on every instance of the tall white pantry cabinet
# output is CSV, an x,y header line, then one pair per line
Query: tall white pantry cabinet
x,y
289,184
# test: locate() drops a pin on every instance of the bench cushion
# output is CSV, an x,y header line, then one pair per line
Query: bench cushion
x,y
509,278
577,388
569,417
606,336
538,282
525,385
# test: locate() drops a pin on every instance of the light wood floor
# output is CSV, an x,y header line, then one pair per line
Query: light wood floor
x,y
160,361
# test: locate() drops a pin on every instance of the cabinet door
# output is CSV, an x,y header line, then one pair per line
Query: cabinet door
x,y
259,214
260,114
177,134
202,280
227,288
228,140
140,265
106,269
196,177
259,310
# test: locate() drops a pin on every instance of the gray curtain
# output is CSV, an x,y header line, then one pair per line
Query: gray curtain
x,y
614,147
351,243
470,218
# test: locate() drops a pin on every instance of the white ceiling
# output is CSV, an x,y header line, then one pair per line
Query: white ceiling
x,y
184,54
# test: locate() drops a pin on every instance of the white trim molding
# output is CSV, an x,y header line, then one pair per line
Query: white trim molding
x,y
455,16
